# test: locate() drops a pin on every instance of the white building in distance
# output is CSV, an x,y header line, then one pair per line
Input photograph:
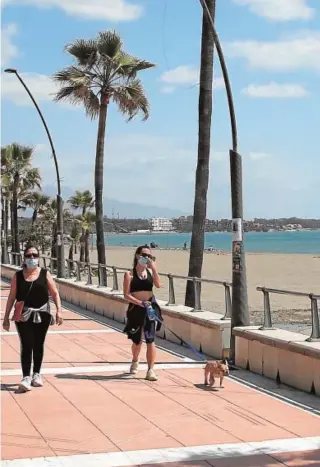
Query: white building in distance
x,y
161,224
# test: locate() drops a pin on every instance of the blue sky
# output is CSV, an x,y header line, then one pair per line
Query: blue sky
x,y
273,54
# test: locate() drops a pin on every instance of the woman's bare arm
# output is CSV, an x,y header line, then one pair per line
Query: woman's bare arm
x,y
156,277
11,297
53,291
126,290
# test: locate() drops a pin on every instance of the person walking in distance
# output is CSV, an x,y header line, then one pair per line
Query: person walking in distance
x,y
138,291
29,292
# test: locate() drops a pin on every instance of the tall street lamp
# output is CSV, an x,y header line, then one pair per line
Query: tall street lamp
x,y
240,311
60,241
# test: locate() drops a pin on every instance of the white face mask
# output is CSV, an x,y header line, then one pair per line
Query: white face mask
x,y
143,261
32,263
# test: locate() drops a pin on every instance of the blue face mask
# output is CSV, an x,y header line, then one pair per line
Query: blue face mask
x,y
32,263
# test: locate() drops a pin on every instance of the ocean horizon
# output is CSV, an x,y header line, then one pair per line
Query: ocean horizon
x,y
292,242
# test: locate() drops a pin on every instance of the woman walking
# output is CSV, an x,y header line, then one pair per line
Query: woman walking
x,y
29,291
138,291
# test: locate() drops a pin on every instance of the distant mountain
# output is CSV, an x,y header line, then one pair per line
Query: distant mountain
x,y
129,210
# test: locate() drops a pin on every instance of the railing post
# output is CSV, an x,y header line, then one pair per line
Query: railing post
x,y
78,268
315,333
69,268
115,285
172,297
267,321
197,301
89,281
227,299
102,276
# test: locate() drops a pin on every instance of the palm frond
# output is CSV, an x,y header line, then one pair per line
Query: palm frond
x,y
132,100
109,43
84,51
129,65
92,105
73,94
72,76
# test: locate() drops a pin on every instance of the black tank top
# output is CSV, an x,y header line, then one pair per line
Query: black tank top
x,y
141,285
39,292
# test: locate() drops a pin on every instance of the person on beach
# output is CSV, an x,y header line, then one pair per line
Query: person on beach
x,y
138,291
30,290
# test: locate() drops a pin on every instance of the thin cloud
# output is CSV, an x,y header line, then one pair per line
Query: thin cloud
x,y
9,50
258,156
112,10
280,10
182,76
275,91
42,87
300,51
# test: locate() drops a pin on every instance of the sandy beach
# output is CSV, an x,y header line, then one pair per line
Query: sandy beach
x,y
285,271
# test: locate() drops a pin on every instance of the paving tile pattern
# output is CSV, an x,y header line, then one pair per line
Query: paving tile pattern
x,y
110,412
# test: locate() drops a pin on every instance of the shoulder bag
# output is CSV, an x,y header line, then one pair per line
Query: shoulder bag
x,y
18,306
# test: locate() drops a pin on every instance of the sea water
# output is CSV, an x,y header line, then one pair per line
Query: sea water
x,y
271,242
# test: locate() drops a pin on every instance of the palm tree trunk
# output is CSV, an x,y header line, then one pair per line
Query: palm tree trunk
x,y
12,233
34,216
16,241
82,239
86,246
71,256
82,246
99,185
6,217
42,239
202,172
54,245
4,237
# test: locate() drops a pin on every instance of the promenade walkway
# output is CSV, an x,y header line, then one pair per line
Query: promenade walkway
x,y
91,413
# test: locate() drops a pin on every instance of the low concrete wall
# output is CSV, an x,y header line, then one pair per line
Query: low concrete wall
x,y
281,355
204,330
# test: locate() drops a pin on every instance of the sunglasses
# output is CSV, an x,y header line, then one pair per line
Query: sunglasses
x,y
31,255
145,255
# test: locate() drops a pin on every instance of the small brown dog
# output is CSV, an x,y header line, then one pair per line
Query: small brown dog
x,y
215,368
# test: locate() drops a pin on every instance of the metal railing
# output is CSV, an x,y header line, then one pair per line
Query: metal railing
x,y
103,273
267,315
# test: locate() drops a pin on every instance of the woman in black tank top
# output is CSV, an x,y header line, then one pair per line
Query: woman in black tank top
x,y
138,291
32,287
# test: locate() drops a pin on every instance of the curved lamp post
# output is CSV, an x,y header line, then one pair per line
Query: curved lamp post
x,y
240,312
60,242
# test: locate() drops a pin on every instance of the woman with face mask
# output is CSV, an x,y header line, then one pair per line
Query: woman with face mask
x,y
30,291
138,291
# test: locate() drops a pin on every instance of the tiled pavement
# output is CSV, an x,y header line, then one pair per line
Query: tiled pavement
x,y
92,413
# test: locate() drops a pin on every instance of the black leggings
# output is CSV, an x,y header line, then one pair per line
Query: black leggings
x,y
32,336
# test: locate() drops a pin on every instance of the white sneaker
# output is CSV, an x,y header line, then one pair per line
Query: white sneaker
x,y
134,368
151,376
37,381
25,384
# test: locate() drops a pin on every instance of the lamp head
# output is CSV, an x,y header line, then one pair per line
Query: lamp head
x,y
10,70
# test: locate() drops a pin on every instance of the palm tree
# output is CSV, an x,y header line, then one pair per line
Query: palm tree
x,y
5,203
38,202
102,73
74,239
202,172
20,177
82,200
49,216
